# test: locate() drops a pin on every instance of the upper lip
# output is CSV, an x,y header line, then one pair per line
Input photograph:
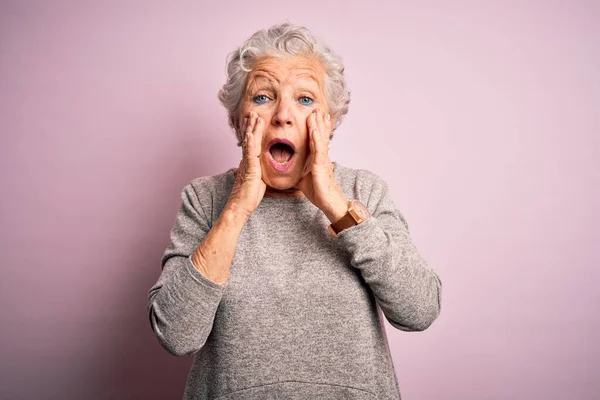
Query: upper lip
x,y
281,140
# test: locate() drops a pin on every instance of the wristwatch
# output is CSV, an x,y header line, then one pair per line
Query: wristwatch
x,y
356,214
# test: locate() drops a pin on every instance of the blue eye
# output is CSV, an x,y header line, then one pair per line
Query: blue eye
x,y
260,99
306,103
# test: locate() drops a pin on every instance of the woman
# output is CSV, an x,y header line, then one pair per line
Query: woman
x,y
279,272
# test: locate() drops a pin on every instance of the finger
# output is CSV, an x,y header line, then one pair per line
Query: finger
x,y
310,127
311,146
308,165
247,132
309,123
258,133
251,121
244,124
314,124
317,147
322,123
313,133
241,129
255,143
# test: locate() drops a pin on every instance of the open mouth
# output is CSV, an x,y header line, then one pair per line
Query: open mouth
x,y
282,154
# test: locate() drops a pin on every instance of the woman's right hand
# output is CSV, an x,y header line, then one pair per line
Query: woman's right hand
x,y
249,188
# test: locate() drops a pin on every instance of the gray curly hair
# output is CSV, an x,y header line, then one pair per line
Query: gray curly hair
x,y
283,40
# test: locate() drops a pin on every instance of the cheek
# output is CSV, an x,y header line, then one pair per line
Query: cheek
x,y
304,147
302,158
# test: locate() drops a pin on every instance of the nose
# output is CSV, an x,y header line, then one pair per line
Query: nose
x,y
282,115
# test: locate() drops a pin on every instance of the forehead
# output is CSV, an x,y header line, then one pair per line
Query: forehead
x,y
272,70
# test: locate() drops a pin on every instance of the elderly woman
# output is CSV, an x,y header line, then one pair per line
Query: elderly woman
x,y
279,272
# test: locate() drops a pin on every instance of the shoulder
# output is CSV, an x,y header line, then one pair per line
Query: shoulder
x,y
372,190
364,184
209,193
212,186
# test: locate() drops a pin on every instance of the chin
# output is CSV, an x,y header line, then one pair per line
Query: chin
x,y
281,182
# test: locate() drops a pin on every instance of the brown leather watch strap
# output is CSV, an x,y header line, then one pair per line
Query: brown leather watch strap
x,y
357,213
345,222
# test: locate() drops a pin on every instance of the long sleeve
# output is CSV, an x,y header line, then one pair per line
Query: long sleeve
x,y
406,288
183,302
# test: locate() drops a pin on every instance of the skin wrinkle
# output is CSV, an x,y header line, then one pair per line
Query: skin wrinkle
x,y
284,82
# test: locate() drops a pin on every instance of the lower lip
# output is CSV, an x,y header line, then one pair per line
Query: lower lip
x,y
281,167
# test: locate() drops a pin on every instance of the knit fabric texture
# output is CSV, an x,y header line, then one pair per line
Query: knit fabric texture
x,y
301,316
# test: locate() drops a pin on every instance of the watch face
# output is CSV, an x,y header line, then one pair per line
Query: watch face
x,y
361,210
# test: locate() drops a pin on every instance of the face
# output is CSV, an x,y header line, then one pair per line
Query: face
x,y
283,92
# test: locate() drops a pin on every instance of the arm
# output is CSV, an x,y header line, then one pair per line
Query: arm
x,y
406,288
183,303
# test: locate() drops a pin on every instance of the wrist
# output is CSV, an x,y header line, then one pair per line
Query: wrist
x,y
233,212
337,209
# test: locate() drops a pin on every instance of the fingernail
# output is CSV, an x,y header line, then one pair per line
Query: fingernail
x,y
328,117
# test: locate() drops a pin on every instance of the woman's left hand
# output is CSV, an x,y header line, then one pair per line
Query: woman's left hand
x,y
318,182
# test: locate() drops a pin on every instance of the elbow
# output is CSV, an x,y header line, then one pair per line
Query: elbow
x,y
425,319
429,309
177,348
419,315
416,322
175,342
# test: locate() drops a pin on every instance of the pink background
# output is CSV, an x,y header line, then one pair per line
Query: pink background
x,y
483,119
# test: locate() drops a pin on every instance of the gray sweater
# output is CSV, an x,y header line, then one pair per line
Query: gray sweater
x,y
301,316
